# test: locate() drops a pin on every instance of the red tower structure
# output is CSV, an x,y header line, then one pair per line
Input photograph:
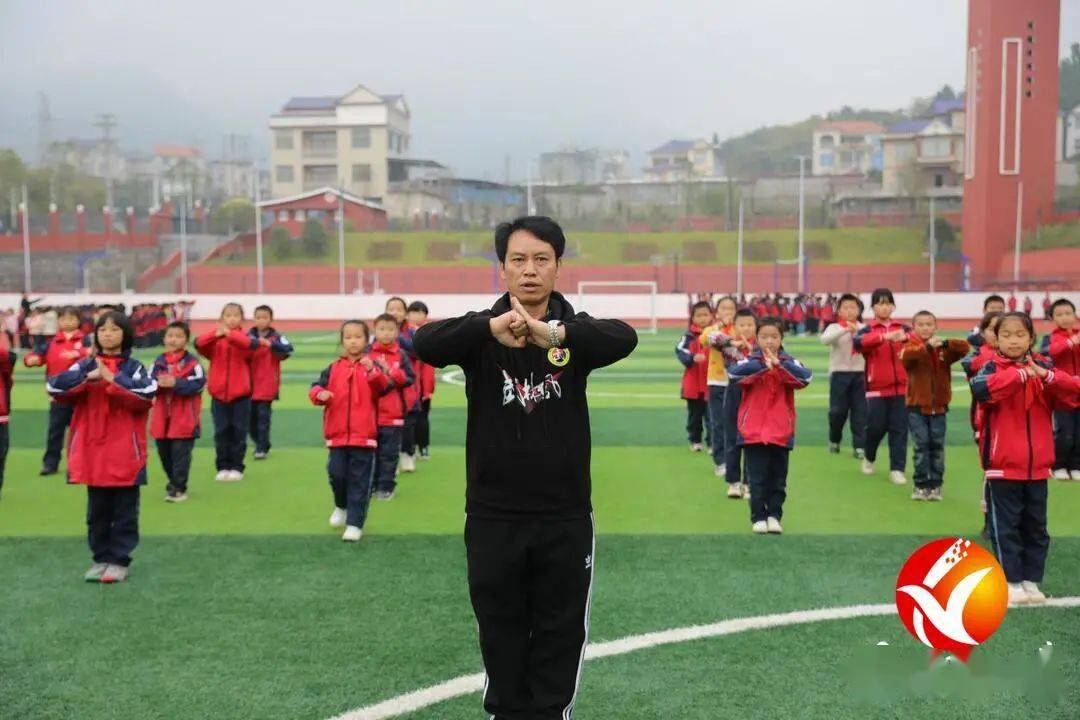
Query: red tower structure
x,y
1011,115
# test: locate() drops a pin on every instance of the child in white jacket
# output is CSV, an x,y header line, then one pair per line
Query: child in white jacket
x,y
847,383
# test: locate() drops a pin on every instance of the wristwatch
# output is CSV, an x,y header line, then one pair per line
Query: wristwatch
x,y
553,329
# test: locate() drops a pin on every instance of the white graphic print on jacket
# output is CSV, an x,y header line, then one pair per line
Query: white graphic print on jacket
x,y
528,394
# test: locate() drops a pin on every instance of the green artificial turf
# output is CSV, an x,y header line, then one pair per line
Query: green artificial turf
x,y
243,603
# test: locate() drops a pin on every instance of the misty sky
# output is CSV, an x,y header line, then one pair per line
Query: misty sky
x,y
483,80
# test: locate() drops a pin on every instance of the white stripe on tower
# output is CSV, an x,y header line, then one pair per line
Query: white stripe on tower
x,y
568,711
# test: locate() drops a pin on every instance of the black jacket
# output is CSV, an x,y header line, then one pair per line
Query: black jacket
x,y
527,445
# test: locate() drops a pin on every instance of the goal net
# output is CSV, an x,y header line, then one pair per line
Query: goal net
x,y
632,301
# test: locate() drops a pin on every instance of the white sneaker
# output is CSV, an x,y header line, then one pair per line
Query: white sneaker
x,y
720,471
734,491
896,477
745,490
1061,474
337,518
867,467
834,448
222,476
352,534
1034,594
695,447
95,572
1074,474
235,476
114,574
1017,595
407,463
761,527
773,525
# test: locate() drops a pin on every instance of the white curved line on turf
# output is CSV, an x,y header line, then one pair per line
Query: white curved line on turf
x,y
468,684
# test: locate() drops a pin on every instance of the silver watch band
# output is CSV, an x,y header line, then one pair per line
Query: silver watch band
x,y
553,329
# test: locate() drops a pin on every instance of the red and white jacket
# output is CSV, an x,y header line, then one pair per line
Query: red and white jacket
x,y
695,378
1066,357
1017,436
107,442
178,409
230,363
767,410
266,364
394,399
59,352
350,417
885,375
972,364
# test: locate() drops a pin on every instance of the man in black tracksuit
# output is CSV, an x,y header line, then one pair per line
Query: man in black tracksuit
x,y
528,530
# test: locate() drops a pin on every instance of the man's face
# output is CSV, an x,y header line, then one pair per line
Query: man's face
x,y
530,268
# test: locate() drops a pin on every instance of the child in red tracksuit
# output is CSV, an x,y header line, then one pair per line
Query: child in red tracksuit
x,y
393,402
1018,392
416,316
57,355
768,379
397,308
880,343
695,361
1063,347
348,390
111,393
229,350
265,376
175,418
7,378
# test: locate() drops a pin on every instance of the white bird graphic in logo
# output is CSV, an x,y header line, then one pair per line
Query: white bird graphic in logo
x,y
949,620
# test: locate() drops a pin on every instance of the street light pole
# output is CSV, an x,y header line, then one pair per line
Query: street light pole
x,y
26,238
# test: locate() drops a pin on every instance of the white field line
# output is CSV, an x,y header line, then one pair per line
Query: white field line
x,y
468,684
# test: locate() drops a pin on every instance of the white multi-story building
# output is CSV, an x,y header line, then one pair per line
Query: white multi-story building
x,y
678,160
359,141
846,147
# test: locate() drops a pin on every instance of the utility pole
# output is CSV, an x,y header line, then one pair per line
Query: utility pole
x,y
107,121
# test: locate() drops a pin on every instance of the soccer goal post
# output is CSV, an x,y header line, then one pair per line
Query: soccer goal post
x,y
793,263
633,301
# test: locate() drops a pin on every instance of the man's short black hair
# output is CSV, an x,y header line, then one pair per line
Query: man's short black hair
x,y
882,295
992,298
541,227
417,306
